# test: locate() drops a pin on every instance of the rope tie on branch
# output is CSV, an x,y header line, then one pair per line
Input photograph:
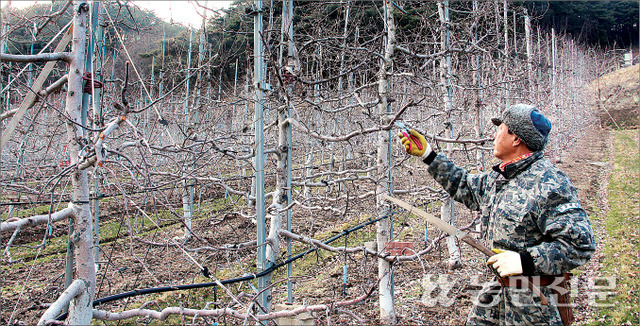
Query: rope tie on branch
x,y
90,83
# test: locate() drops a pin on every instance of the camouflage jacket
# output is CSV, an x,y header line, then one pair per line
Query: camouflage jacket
x,y
531,208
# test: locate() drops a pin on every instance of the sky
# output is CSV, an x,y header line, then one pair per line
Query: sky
x,y
184,12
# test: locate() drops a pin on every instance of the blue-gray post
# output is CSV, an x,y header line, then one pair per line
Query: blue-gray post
x,y
33,40
161,77
188,82
153,76
449,95
448,211
97,111
288,13
187,197
259,85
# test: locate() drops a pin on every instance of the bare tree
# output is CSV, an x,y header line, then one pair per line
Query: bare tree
x,y
336,79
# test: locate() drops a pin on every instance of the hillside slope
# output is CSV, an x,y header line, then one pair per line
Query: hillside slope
x,y
618,96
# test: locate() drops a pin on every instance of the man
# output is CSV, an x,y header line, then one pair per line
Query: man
x,y
530,215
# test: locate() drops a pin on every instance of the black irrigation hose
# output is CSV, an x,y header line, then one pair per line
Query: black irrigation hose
x,y
228,281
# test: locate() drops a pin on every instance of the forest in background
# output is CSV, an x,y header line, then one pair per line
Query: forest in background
x,y
607,25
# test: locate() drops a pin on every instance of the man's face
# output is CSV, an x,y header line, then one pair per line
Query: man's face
x,y
503,143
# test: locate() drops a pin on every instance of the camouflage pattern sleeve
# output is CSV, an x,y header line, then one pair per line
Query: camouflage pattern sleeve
x,y
463,186
566,224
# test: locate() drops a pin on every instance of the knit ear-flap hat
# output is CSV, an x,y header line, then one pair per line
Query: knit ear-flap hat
x,y
526,122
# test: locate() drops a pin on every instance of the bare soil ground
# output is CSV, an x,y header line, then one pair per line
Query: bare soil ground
x,y
588,166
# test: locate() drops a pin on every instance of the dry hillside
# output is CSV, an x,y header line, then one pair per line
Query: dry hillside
x,y
618,97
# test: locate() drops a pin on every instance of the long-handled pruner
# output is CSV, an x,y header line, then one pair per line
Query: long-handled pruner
x,y
451,230
408,135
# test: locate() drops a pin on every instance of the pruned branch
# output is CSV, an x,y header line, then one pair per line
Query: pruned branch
x,y
63,300
43,57
15,222
234,246
303,128
162,315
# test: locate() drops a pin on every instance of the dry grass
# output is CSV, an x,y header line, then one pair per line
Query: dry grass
x,y
618,97
620,244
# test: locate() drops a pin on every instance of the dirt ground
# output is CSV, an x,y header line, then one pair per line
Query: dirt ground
x,y
588,167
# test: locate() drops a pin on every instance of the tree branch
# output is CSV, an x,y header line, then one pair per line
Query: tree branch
x,y
44,57
15,222
56,308
314,134
162,315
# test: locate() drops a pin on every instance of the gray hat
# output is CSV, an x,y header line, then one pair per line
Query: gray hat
x,y
526,122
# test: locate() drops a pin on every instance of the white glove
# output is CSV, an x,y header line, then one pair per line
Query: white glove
x,y
506,262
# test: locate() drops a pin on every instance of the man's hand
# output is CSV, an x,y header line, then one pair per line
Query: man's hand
x,y
506,262
413,149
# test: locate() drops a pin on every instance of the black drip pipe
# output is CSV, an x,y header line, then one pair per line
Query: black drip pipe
x,y
228,281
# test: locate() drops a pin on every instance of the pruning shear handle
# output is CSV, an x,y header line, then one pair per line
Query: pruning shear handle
x,y
406,133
